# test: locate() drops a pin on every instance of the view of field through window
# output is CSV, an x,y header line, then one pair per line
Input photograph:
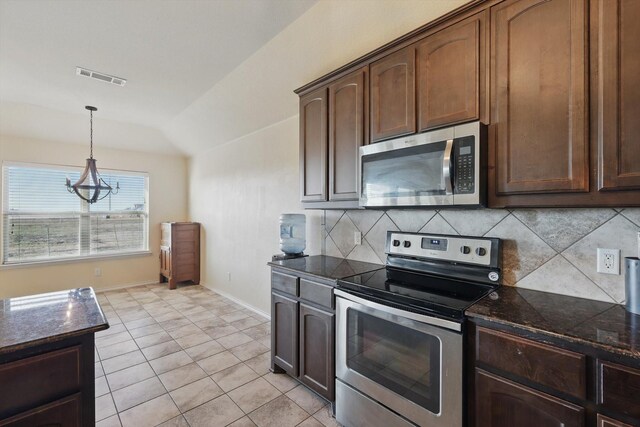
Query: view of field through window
x,y
42,220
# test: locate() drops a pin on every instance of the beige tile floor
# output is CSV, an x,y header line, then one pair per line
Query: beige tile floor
x,y
190,357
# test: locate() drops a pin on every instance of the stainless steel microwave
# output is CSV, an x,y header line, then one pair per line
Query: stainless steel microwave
x,y
444,167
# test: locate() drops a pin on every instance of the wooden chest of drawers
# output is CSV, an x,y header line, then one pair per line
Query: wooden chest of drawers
x,y
180,252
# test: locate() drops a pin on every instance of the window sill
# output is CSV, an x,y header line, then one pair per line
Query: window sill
x,y
105,257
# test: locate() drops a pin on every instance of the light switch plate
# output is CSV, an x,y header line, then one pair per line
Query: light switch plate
x,y
609,261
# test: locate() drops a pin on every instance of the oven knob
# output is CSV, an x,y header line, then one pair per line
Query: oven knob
x,y
396,243
481,251
465,249
406,244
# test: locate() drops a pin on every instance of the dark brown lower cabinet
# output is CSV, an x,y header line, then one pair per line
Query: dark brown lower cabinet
x,y
502,403
50,384
303,330
317,349
532,380
619,388
61,413
284,336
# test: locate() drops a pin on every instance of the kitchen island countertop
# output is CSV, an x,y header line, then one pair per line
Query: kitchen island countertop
x,y
39,319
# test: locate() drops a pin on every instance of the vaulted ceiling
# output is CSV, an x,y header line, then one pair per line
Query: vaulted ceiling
x,y
171,52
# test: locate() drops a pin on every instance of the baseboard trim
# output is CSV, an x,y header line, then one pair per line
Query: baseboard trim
x,y
123,286
237,301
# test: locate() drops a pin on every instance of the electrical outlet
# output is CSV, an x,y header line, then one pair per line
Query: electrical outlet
x,y
98,272
609,261
228,276
357,237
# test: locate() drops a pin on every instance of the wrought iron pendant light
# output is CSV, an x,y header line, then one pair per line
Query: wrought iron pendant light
x,y
91,187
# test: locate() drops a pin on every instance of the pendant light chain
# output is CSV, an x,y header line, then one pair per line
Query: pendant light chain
x,y
91,135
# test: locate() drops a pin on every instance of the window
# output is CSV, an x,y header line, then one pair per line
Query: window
x,y
42,221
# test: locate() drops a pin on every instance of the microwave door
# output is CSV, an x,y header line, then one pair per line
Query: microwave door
x,y
407,176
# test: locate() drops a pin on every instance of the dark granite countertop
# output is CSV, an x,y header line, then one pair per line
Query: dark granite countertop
x,y
38,319
598,324
327,267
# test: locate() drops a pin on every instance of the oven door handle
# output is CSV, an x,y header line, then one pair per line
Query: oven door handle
x,y
435,321
446,167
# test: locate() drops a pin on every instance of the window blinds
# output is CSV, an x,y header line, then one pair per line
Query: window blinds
x,y
41,220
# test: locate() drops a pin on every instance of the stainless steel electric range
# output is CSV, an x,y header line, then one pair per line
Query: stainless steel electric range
x,y
399,341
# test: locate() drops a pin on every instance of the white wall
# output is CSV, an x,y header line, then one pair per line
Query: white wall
x,y
238,189
168,202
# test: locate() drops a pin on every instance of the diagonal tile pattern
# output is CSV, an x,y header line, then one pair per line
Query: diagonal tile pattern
x,y
190,357
546,249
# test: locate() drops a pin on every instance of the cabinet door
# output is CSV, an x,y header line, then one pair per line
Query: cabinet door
x,y
502,403
317,360
347,116
617,124
610,422
448,67
393,98
284,333
61,413
313,146
538,91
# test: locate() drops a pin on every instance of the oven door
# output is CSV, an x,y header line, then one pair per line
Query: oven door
x,y
410,366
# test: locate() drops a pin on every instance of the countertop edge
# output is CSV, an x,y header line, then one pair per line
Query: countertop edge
x,y
306,273
54,338
601,346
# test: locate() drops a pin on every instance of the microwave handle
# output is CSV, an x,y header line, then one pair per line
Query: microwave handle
x,y
446,167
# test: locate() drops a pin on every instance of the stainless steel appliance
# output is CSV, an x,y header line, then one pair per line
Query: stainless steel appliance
x,y
399,340
437,168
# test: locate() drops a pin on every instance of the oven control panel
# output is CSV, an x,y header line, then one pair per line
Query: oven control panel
x,y
468,250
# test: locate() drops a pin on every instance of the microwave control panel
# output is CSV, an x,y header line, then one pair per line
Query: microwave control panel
x,y
464,167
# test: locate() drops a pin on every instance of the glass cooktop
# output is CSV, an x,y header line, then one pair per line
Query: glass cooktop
x,y
418,292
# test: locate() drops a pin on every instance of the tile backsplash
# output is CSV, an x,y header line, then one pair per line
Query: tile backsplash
x,y
551,250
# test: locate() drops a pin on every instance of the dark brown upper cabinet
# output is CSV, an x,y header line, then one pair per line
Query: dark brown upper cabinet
x,y
313,146
615,38
449,74
555,80
348,117
539,113
393,95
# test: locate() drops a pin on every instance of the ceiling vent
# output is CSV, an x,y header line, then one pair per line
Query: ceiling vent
x,y
100,76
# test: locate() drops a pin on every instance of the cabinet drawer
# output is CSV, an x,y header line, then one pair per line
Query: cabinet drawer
x,y
186,233
63,413
503,403
39,379
317,293
559,369
284,283
610,422
186,258
619,388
